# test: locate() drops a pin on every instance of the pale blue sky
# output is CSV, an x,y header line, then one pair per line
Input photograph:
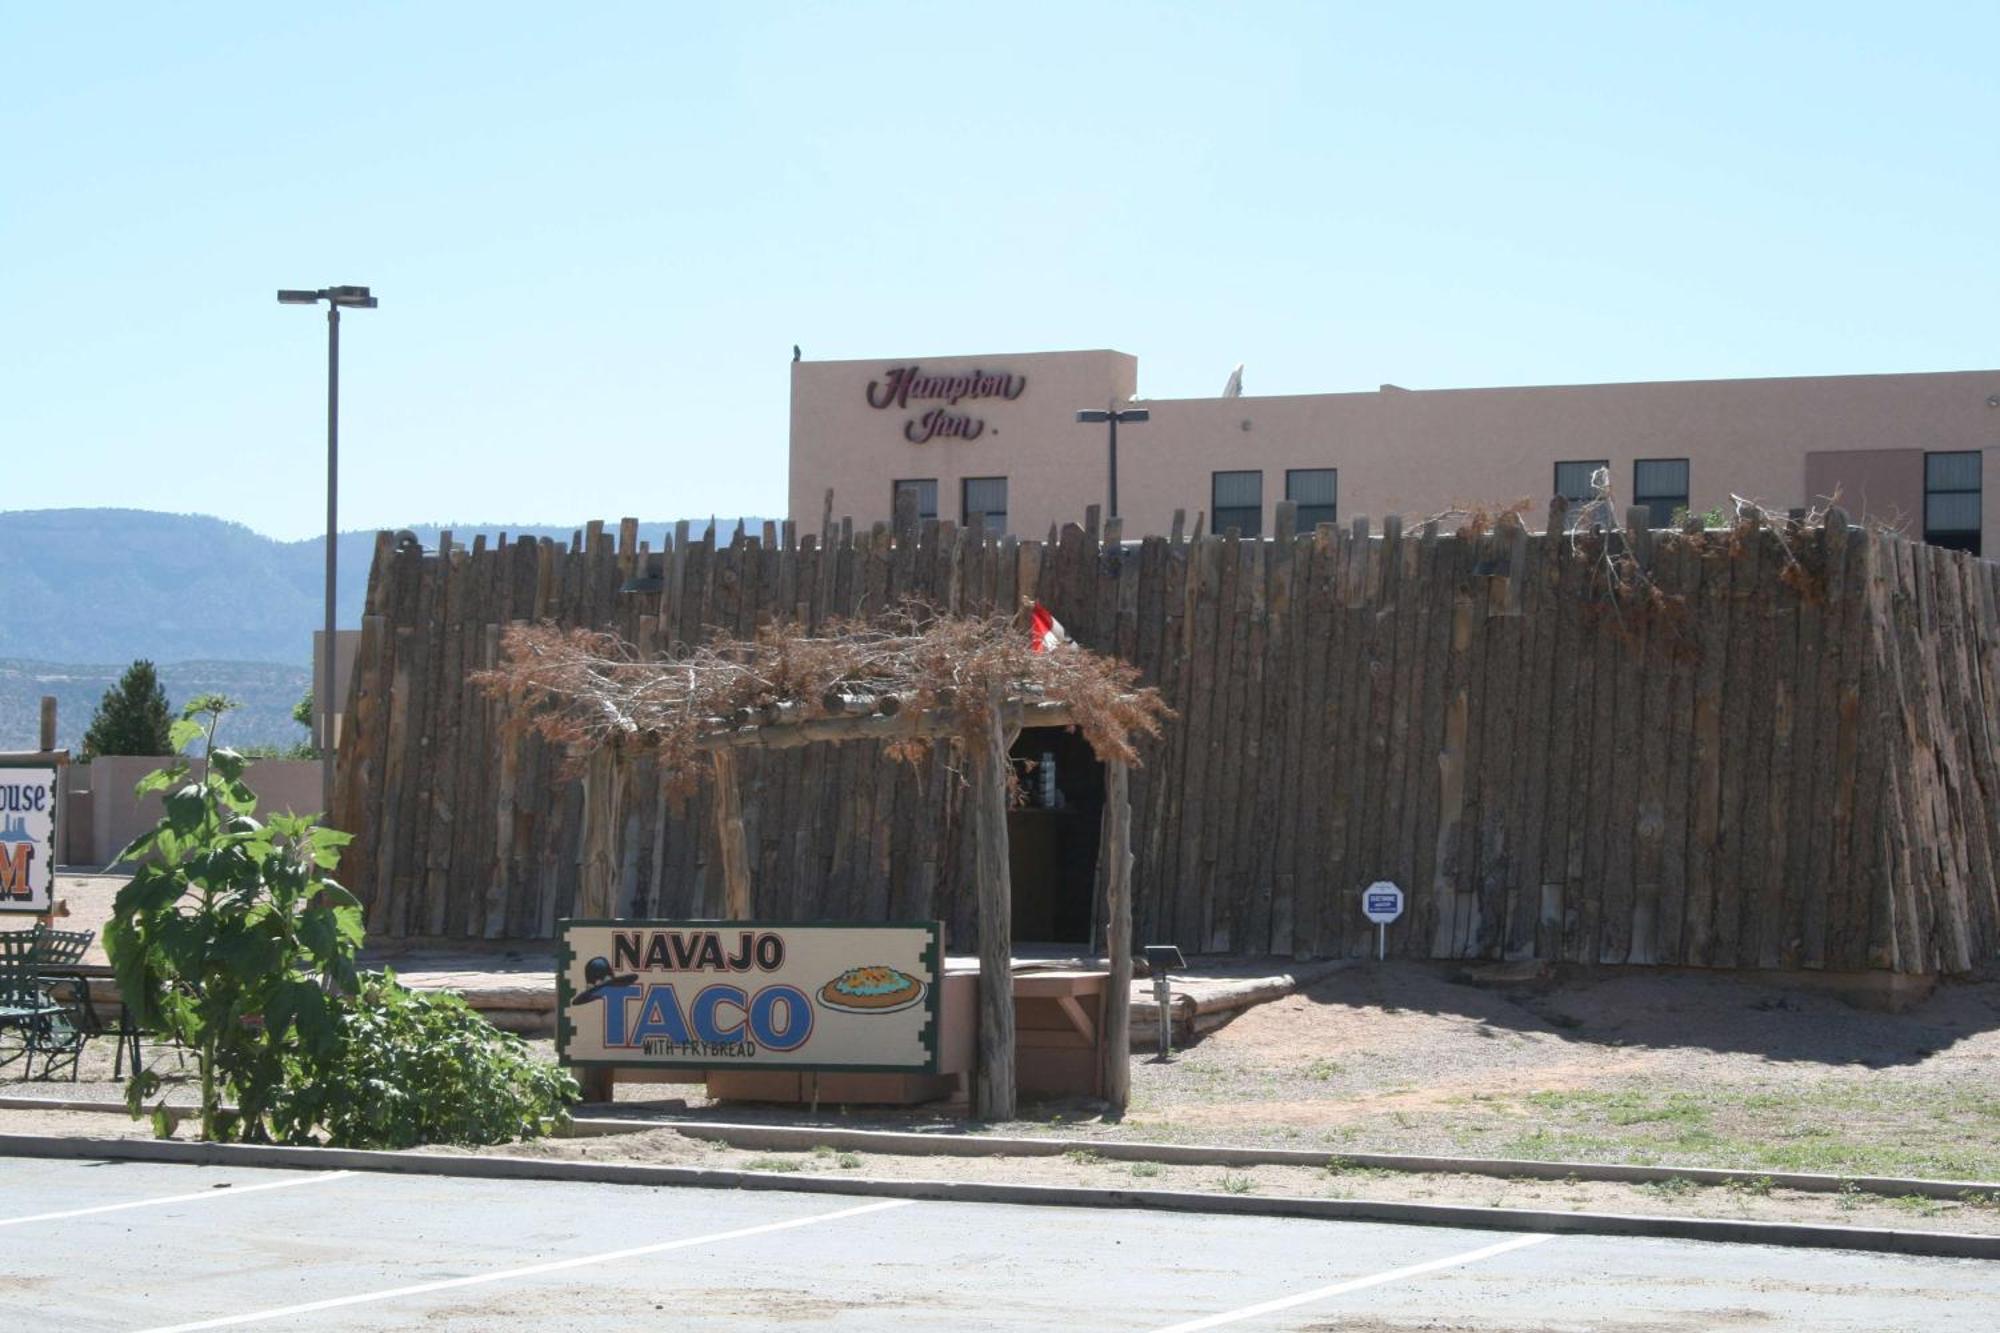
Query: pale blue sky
x,y
596,238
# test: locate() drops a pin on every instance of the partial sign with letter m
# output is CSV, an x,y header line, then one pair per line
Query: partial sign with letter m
x,y
27,836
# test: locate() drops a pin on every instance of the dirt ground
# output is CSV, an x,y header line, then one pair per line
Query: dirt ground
x,y
1977,1213
1678,1069
1674,1069
1758,1200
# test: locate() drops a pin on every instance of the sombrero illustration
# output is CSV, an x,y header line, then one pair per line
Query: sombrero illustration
x,y
597,977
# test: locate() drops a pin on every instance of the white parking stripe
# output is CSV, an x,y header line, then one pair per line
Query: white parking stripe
x,y
1354,1284
532,1270
218,1191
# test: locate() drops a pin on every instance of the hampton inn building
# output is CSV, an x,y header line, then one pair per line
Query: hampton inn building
x,y
999,436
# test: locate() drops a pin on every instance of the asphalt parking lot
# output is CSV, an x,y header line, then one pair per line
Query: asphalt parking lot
x,y
132,1245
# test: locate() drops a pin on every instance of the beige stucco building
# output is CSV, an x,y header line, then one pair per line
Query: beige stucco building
x,y
999,434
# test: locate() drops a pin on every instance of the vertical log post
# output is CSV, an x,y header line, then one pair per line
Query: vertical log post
x,y
601,784
1115,857
729,837
994,1085
48,723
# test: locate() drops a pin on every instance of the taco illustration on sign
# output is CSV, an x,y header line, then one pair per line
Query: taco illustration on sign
x,y
871,990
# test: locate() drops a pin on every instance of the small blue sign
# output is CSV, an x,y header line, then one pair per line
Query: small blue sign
x,y
1382,902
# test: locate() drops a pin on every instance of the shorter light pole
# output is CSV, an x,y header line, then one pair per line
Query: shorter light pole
x,y
336,298
1111,416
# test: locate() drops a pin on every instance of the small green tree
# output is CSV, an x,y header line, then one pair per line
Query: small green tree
x,y
133,717
232,939
302,713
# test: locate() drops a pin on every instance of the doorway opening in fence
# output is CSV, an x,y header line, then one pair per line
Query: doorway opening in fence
x,y
1052,838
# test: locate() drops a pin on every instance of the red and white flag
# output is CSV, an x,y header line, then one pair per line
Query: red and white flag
x,y
1045,630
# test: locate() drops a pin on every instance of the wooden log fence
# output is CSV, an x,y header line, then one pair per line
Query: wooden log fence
x,y
1784,752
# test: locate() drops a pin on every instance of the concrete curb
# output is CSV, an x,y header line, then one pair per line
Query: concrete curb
x,y
1930,1243
60,1104
795,1139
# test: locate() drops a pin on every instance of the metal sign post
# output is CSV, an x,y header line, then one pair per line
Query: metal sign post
x,y
1161,959
1381,902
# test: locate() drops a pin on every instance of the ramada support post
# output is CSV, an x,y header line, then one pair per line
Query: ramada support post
x,y
1116,857
601,787
994,1085
729,836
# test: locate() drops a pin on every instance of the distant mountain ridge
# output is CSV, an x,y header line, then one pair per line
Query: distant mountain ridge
x,y
111,585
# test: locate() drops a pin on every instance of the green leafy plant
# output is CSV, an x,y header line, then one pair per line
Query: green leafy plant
x,y
412,1067
232,939
1673,1187
774,1164
1710,518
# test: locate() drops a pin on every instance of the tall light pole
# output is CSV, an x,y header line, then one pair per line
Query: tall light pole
x,y
1111,416
336,298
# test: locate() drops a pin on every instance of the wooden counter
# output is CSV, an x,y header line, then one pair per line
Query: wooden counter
x,y
1059,1024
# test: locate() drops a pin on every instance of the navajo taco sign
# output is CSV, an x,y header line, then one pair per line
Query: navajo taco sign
x,y
27,836
744,995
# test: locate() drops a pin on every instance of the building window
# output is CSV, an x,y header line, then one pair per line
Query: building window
x,y
987,496
1238,502
926,489
1660,484
1316,491
1952,500
1573,480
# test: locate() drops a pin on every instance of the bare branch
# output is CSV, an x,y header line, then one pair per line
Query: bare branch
x,y
582,690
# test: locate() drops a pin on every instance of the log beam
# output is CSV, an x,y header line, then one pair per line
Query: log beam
x,y
1013,715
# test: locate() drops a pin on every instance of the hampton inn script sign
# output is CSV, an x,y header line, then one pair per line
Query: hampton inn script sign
x,y
909,389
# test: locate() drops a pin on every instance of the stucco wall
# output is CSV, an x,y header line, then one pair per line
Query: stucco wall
x,y
117,816
1884,484
1410,452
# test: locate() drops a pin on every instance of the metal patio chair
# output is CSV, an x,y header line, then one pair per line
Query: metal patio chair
x,y
56,951
32,1022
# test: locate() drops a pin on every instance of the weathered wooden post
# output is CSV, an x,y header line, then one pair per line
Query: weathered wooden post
x,y
729,836
48,723
601,785
994,1084
1115,855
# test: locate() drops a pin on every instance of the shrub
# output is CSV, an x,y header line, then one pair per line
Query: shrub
x,y
233,941
412,1067
774,1164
